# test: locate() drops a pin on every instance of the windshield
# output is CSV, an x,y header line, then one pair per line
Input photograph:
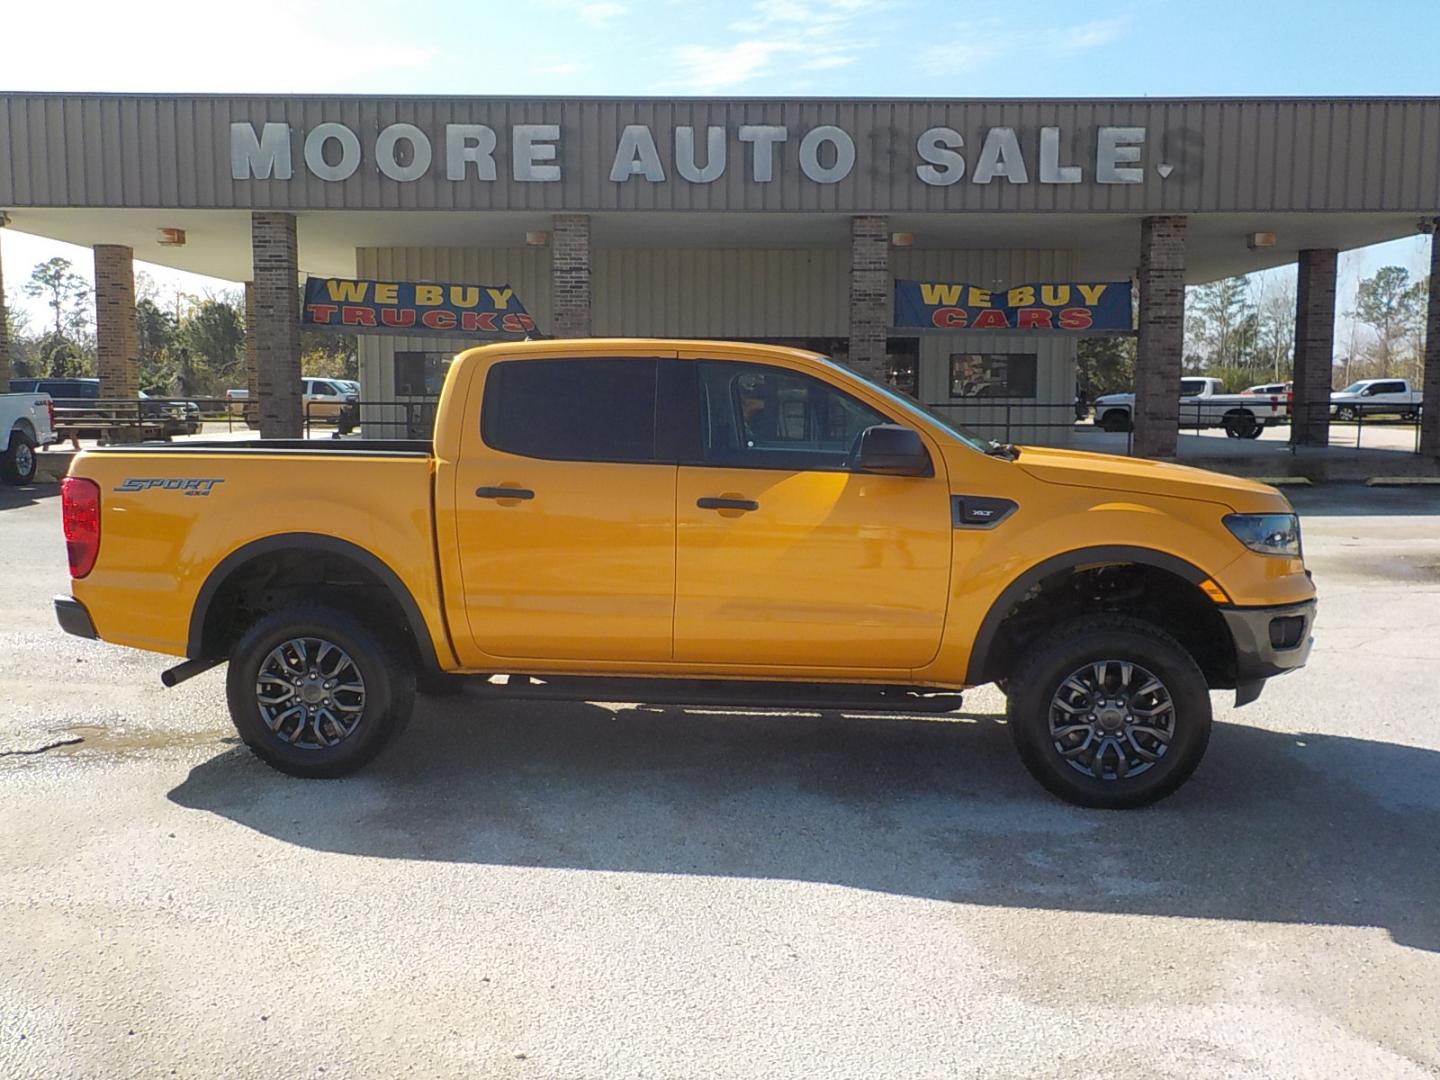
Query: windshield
x,y
1354,388
907,403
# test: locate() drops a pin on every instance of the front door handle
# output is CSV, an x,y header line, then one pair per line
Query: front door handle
x,y
727,504
503,493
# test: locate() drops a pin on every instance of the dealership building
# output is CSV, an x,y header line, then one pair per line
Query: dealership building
x,y
959,247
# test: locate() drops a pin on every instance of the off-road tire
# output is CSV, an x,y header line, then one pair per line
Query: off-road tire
x,y
385,665
17,465
1049,661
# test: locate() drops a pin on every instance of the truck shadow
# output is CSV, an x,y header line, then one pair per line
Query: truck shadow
x,y
12,497
1274,827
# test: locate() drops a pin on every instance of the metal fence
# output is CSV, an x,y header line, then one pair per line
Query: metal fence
x,y
413,418
120,420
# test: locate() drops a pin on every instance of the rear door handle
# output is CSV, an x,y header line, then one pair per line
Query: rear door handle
x,y
503,493
727,504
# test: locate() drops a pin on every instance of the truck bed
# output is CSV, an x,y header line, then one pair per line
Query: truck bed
x,y
172,513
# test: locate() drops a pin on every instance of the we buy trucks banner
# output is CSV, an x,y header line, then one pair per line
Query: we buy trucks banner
x,y
1067,306
412,307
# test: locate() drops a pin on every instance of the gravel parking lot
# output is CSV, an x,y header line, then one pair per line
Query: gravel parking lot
x,y
588,890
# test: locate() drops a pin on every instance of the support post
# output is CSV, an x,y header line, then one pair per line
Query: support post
x,y
277,324
1430,406
1314,346
117,334
252,367
1161,346
870,298
5,368
570,275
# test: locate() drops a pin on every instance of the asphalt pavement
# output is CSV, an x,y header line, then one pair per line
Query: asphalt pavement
x,y
540,890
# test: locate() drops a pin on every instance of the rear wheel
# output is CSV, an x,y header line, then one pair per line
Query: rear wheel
x,y
17,465
316,692
1109,711
1116,420
1242,425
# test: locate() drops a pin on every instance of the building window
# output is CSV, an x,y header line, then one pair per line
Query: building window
x,y
992,375
572,410
902,364
421,374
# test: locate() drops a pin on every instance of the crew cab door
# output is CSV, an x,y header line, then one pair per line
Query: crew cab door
x,y
785,559
564,514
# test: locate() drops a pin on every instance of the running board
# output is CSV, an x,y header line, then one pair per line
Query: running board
x,y
775,696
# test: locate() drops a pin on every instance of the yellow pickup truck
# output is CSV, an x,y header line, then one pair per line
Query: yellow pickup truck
x,y
694,522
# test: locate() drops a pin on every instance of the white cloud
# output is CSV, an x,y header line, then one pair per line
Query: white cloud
x,y
170,45
780,37
990,41
708,67
597,13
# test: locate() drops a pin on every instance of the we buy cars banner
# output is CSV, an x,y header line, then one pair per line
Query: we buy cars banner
x,y
1068,306
414,307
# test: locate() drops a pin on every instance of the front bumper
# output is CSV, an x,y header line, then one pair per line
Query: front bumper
x,y
1269,641
74,618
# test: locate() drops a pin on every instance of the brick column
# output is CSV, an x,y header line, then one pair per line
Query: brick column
x,y
277,324
117,334
1430,417
1162,336
252,367
1314,346
570,275
869,293
5,370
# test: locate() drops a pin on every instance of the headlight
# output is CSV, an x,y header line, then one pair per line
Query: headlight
x,y
1269,534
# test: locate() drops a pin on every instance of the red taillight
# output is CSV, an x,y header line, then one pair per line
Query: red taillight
x,y
50,408
80,514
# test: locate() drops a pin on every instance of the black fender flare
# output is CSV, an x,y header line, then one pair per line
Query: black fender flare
x,y
1028,579
328,545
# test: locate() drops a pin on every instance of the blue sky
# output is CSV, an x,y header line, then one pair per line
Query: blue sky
x,y
877,48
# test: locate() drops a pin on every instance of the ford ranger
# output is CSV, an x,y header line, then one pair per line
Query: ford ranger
x,y
693,522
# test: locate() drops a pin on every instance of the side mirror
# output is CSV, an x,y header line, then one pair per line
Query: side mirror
x,y
891,450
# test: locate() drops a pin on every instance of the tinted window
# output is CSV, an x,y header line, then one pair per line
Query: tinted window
x,y
754,416
1191,387
1389,388
572,410
1009,375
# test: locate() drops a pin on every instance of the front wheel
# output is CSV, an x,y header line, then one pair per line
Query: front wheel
x,y
17,465
316,692
1345,412
1109,711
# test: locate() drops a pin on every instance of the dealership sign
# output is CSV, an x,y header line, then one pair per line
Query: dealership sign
x,y
940,156
1067,306
404,307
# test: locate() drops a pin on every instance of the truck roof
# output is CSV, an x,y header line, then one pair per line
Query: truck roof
x,y
624,345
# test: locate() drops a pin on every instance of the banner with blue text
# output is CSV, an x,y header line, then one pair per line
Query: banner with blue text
x,y
1072,307
410,307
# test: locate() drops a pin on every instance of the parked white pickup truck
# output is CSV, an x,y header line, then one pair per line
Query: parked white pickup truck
x,y
27,421
1373,397
1203,403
